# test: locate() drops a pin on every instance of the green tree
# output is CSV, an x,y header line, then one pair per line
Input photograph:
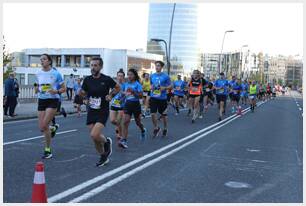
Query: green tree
x,y
7,59
280,81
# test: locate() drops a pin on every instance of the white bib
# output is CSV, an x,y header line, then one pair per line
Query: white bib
x,y
95,103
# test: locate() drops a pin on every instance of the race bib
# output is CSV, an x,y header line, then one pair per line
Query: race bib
x,y
117,102
207,90
95,103
45,88
178,88
235,92
157,93
221,90
145,94
194,89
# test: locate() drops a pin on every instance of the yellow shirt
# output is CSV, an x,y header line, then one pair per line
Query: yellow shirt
x,y
146,85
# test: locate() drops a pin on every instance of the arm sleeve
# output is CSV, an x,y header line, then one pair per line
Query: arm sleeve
x,y
84,85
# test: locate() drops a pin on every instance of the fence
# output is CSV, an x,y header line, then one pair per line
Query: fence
x,y
27,92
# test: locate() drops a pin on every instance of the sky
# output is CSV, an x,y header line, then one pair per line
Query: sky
x,y
273,28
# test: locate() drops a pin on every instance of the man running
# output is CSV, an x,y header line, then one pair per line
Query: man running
x,y
195,91
133,92
232,83
179,87
117,105
253,93
208,94
48,80
221,86
97,89
160,82
236,95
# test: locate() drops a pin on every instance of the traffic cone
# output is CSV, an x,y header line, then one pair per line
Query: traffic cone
x,y
39,187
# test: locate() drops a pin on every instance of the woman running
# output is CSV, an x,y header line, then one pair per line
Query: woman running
x,y
146,86
117,104
78,100
195,91
133,93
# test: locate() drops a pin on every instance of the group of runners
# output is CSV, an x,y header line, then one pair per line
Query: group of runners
x,y
128,96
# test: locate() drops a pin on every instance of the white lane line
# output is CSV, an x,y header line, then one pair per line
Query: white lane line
x,y
70,160
259,161
129,164
211,146
37,137
298,158
112,182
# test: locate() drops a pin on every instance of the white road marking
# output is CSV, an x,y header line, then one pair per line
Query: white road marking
x,y
129,164
211,146
37,137
259,161
253,150
233,184
70,160
112,182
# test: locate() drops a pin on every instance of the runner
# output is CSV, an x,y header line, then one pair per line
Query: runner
x,y
133,92
232,83
221,86
48,80
195,91
236,95
201,102
185,99
97,89
146,85
244,92
78,100
117,105
253,93
160,82
269,91
208,94
179,87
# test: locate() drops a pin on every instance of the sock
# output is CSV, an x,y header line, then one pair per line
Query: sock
x,y
47,149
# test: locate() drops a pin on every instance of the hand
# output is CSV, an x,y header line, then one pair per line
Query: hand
x,y
52,91
108,98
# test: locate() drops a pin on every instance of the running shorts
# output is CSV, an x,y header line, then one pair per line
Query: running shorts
x,y
97,116
158,105
44,104
132,108
221,98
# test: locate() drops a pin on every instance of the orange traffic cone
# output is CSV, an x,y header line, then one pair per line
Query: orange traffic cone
x,y
39,187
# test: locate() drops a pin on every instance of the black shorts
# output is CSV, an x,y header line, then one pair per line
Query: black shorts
x,y
116,108
146,93
210,95
221,98
231,96
179,96
194,96
78,100
97,115
236,98
201,98
158,105
132,108
44,104
169,95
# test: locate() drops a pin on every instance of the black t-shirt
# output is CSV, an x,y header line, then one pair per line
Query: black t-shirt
x,y
195,83
97,89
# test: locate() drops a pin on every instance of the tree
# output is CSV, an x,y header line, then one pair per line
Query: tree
x,y
280,81
7,59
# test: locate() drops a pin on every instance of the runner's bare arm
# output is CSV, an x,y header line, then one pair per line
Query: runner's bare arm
x,y
113,92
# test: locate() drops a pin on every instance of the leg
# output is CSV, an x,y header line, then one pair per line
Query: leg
x,y
12,106
126,122
97,137
45,118
139,123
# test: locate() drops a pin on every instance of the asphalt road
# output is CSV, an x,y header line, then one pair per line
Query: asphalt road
x,y
254,158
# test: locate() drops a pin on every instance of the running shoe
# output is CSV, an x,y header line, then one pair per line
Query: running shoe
x,y
123,143
47,155
165,132
108,147
233,110
156,132
102,161
176,113
52,130
219,119
63,112
143,134
201,116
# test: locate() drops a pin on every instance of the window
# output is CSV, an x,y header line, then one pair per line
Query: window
x,y
21,79
31,79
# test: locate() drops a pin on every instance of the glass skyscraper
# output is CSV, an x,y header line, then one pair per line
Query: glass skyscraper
x,y
185,54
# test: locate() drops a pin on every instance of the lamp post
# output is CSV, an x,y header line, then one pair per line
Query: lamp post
x,y
228,31
170,36
241,53
167,56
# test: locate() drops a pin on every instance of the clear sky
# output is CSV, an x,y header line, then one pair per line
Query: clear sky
x,y
274,28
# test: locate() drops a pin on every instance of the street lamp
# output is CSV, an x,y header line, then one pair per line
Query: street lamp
x,y
228,31
240,68
167,56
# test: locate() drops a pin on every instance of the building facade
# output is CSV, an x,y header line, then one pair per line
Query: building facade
x,y
76,61
184,52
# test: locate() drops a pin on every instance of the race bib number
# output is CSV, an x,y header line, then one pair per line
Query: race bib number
x,y
117,102
95,103
156,93
221,90
45,88
207,90
145,94
194,89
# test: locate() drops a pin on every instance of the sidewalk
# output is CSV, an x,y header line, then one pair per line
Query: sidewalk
x,y
29,110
